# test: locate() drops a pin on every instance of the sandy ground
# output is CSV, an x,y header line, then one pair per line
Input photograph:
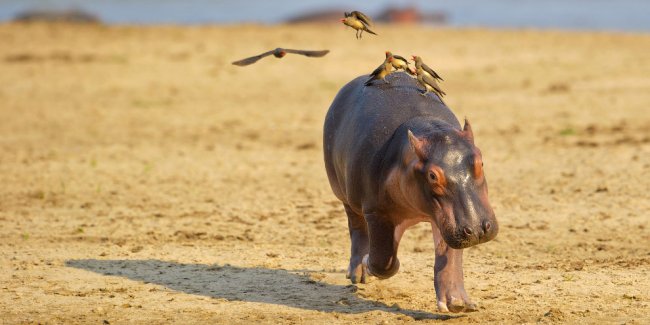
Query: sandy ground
x,y
145,179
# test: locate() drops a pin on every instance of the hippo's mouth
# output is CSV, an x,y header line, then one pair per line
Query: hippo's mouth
x,y
459,240
455,242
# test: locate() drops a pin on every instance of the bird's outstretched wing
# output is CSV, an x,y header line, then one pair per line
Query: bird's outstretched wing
x,y
252,59
313,54
431,72
432,82
361,16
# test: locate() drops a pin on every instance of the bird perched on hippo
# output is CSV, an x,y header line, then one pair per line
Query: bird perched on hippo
x,y
427,78
391,64
394,159
424,75
383,70
399,62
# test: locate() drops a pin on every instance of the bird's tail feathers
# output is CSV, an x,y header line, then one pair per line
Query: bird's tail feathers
x,y
369,31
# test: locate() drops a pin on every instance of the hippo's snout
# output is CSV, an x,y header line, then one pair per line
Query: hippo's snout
x,y
484,231
470,235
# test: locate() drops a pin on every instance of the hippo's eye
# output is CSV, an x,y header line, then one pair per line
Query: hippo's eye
x,y
433,177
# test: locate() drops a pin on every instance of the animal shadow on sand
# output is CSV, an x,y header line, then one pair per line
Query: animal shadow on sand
x,y
281,287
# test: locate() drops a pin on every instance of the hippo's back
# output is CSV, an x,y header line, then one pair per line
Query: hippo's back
x,y
362,120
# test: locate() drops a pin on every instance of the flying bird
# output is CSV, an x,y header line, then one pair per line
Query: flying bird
x,y
381,72
280,53
359,21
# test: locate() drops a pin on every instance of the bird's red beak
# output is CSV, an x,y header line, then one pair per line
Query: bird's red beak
x,y
342,19
413,57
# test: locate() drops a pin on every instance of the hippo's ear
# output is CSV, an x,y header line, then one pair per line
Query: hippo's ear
x,y
417,145
467,131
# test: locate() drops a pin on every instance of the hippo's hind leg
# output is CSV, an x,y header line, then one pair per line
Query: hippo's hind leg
x,y
359,238
448,277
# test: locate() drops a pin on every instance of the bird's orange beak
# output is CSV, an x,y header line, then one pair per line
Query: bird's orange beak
x,y
342,20
413,57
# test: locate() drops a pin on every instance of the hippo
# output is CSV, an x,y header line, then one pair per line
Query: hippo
x,y
394,159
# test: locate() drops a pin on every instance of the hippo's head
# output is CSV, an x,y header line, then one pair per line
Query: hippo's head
x,y
449,173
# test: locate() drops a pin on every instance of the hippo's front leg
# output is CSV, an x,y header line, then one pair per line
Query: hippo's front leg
x,y
448,277
382,261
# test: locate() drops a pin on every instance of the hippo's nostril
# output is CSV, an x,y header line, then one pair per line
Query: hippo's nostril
x,y
467,231
487,226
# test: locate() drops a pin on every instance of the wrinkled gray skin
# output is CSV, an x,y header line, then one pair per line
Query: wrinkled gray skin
x,y
394,159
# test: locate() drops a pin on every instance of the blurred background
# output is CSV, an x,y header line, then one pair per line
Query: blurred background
x,y
621,15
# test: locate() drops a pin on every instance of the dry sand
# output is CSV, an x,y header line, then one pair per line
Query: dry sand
x,y
145,179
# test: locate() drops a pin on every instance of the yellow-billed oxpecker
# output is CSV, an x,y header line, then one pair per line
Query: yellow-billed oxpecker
x,y
280,53
359,21
400,62
427,71
381,72
426,80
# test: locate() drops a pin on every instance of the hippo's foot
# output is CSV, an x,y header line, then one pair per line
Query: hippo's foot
x,y
357,271
451,295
